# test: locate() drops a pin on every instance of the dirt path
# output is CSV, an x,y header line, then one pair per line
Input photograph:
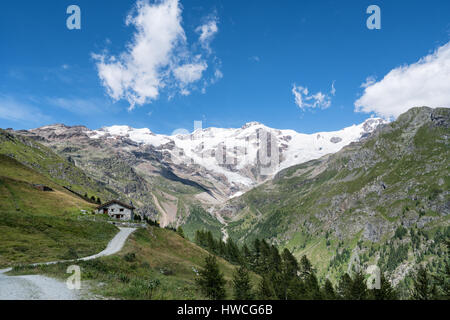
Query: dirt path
x,y
36,287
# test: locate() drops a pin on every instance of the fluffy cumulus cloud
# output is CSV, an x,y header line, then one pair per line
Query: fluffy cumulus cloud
x,y
306,100
157,57
424,83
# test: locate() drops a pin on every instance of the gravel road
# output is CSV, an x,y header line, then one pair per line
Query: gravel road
x,y
36,287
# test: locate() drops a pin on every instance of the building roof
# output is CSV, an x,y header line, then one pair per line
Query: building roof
x,y
107,204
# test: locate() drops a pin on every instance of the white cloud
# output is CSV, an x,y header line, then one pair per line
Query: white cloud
x,y
304,100
189,73
156,58
207,32
424,83
333,89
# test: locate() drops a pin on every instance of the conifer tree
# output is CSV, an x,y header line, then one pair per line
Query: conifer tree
x,y
266,290
312,288
344,287
423,288
232,251
289,270
275,259
358,287
297,290
241,285
328,291
246,256
290,264
305,267
211,281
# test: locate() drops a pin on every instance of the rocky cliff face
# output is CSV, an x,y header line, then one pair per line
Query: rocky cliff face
x,y
396,178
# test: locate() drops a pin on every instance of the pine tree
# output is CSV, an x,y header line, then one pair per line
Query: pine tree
x,y
358,287
241,285
266,290
232,252
246,256
305,267
211,243
289,269
290,264
423,289
264,258
344,287
211,281
328,291
256,255
442,278
297,290
275,259
312,288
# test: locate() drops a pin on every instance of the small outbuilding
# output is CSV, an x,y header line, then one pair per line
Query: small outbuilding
x,y
117,210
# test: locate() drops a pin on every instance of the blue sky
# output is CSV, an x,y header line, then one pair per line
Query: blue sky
x,y
249,65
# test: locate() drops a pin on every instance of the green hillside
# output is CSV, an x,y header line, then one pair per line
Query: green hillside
x,y
39,226
43,160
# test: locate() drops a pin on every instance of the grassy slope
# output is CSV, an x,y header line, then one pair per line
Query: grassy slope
x,y
37,226
160,254
43,160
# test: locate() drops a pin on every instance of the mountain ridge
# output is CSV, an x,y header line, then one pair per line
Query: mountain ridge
x,y
166,176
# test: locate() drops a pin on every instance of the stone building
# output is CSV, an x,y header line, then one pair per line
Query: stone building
x,y
117,210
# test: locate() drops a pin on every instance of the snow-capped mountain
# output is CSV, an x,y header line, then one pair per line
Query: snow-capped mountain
x,y
166,176
242,157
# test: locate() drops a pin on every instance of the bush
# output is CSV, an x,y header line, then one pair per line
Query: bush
x,y
130,257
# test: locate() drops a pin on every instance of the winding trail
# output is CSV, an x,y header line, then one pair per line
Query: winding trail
x,y
36,287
